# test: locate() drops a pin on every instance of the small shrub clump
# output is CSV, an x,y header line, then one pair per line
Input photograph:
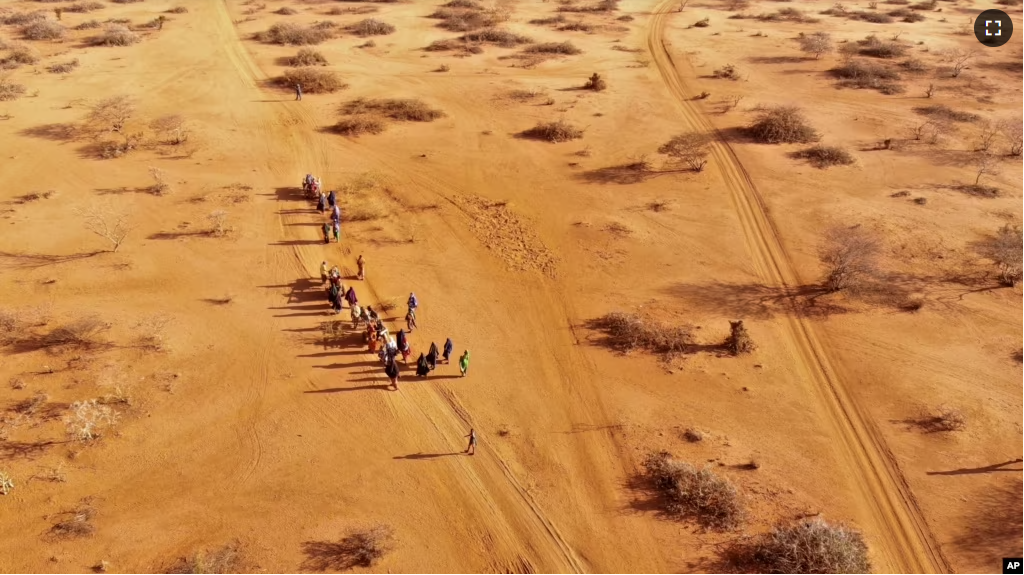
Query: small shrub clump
x,y
739,341
595,83
403,110
307,57
783,125
811,546
727,72
872,46
10,91
359,125
943,112
632,331
825,156
116,35
496,36
371,27
554,48
63,67
287,33
560,131
695,493
44,30
88,25
312,80
861,74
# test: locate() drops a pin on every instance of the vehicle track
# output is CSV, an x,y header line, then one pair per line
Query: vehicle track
x,y
903,538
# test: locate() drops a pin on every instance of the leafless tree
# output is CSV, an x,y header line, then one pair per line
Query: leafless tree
x,y
930,91
850,254
160,185
987,166
1013,130
218,220
732,101
691,148
112,116
174,128
1005,249
818,43
987,135
959,58
107,223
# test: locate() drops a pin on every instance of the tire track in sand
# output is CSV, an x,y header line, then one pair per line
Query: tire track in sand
x,y
903,536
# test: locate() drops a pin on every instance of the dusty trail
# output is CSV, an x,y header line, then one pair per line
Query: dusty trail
x,y
902,535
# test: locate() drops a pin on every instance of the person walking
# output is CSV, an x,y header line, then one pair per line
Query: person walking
x,y
336,213
327,233
410,319
464,363
432,356
323,274
350,296
413,302
336,227
361,264
298,92
355,316
391,370
422,369
448,347
471,448
332,199
321,203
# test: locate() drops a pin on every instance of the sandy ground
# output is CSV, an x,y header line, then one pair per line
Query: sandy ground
x,y
237,423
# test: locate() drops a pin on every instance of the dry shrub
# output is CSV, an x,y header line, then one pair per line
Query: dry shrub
x,y
10,91
88,25
307,57
286,11
86,419
688,492
173,128
818,43
872,46
782,125
82,7
786,15
22,18
178,10
312,80
693,435
558,19
602,6
74,524
403,110
727,72
595,83
63,67
914,65
115,35
873,17
811,546
577,27
560,131
31,405
359,125
632,331
553,48
371,27
825,156
286,33
944,419
362,548
690,149
125,1
870,75
946,113
502,38
1004,249
467,4
338,10
81,333
850,256
227,559
20,54
44,30
739,341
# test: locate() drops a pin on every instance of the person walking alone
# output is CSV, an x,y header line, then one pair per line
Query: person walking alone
x,y
471,448
361,264
410,319
464,363
298,92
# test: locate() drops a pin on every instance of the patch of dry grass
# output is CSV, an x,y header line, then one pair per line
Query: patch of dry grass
x,y
400,109
689,492
371,27
307,57
312,80
115,35
567,48
559,131
286,33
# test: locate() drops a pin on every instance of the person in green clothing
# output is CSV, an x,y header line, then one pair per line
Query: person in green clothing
x,y
464,363
326,228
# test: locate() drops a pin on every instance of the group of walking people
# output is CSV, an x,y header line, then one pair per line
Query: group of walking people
x,y
314,188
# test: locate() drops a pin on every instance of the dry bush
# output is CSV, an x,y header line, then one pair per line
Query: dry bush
x,y
19,54
694,493
88,25
307,57
595,83
1013,130
107,223
10,91
873,17
227,559
727,72
632,331
44,30
125,1
825,156
850,256
361,548
942,112
818,43
577,27
74,524
63,67
782,125
1004,249
560,131
602,6
872,46
693,435
6,483
81,333
691,149
553,48
502,38
403,110
286,11
786,15
286,33
30,406
914,65
178,10
943,419
86,419
907,15
115,35
811,546
464,20
312,80
558,19
868,75
739,341
218,222
371,27
338,10
173,128
22,18
160,186
112,116
359,125
958,58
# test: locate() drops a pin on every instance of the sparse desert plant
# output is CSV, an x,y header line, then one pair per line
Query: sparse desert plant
x,y
558,131
81,333
443,68
1004,249
112,116
557,19
19,54
53,474
44,30
825,156
863,74
160,186
818,43
576,27
286,11
10,90
107,223
496,36
691,149
810,546
958,59
86,419
31,405
173,128
727,72
313,80
226,559
22,18
595,83
115,35
63,67
371,27
88,25
218,222
178,10
358,125
6,483
286,33
633,331
702,23
689,492
553,48
945,113
360,548
307,57
739,341
987,134
873,46
74,524
782,125
986,165
850,256
1013,130
400,109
